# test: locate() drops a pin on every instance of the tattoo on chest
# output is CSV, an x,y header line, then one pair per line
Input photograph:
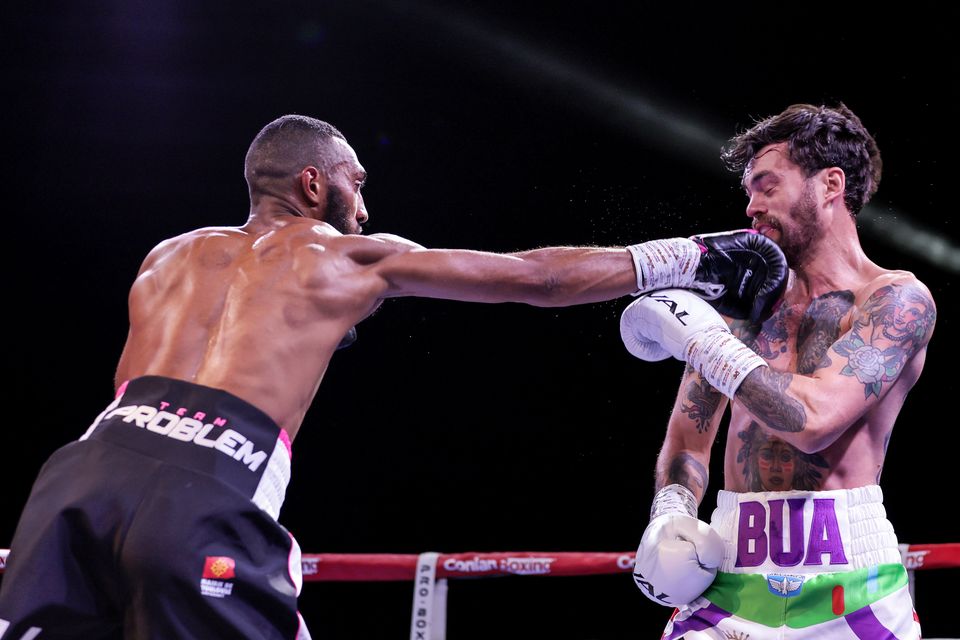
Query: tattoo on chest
x,y
769,464
816,329
702,402
819,328
893,325
769,340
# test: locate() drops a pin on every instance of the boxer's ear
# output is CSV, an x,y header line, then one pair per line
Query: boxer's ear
x,y
833,181
313,184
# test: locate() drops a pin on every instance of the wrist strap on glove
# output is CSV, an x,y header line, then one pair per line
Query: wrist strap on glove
x,y
674,498
665,264
722,359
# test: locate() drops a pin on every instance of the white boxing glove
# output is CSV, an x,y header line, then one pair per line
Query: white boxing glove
x,y
678,323
679,554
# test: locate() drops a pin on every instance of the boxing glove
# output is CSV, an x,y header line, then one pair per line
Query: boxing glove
x,y
742,273
678,323
679,554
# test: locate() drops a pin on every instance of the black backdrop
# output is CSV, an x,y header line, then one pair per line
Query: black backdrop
x,y
449,426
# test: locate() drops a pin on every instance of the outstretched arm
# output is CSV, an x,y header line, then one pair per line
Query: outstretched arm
x,y
557,276
886,343
739,271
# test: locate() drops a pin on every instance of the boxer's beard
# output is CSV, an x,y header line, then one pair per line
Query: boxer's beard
x,y
338,212
803,226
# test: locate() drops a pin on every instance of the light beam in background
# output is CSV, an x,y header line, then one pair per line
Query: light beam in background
x,y
655,123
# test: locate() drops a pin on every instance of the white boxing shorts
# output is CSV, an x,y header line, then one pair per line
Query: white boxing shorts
x,y
803,564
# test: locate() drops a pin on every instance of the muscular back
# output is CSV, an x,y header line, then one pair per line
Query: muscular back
x,y
257,313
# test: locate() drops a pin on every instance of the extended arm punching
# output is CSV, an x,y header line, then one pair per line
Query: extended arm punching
x,y
741,273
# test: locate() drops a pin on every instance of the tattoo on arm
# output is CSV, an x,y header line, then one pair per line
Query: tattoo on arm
x,y
703,403
686,470
893,325
764,393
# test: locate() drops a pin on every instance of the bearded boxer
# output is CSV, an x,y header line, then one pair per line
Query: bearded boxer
x,y
161,522
799,545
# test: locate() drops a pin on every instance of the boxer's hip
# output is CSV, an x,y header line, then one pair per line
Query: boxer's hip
x,y
803,564
202,429
804,532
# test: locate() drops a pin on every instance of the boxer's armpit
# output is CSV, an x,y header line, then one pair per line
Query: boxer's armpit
x,y
764,393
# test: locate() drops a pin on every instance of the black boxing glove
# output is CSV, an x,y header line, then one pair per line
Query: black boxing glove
x,y
751,267
741,273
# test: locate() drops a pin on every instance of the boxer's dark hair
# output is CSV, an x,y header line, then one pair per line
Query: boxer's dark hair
x,y
817,138
284,147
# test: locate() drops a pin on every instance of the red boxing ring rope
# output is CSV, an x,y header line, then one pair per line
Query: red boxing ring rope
x,y
373,567
383,567
430,572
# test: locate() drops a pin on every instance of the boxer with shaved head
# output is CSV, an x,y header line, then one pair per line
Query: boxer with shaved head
x,y
161,521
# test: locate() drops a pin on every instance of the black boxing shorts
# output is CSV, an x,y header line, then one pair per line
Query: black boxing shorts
x,y
160,522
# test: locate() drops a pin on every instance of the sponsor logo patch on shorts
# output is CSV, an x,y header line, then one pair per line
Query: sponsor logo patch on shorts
x,y
217,570
785,586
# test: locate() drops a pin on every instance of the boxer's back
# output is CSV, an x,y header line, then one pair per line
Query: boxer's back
x,y
254,312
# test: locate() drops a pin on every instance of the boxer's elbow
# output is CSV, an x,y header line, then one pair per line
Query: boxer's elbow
x,y
810,441
823,425
541,285
551,291
563,286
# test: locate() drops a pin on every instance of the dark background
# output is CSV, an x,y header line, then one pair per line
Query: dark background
x,y
486,125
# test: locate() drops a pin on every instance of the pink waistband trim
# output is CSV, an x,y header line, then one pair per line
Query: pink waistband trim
x,y
285,439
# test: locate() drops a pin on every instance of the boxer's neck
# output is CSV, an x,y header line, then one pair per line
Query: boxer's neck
x,y
833,263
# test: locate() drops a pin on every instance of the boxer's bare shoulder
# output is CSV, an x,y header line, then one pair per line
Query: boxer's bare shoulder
x,y
330,265
210,246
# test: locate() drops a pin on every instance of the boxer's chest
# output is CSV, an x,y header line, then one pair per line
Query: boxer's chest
x,y
798,337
